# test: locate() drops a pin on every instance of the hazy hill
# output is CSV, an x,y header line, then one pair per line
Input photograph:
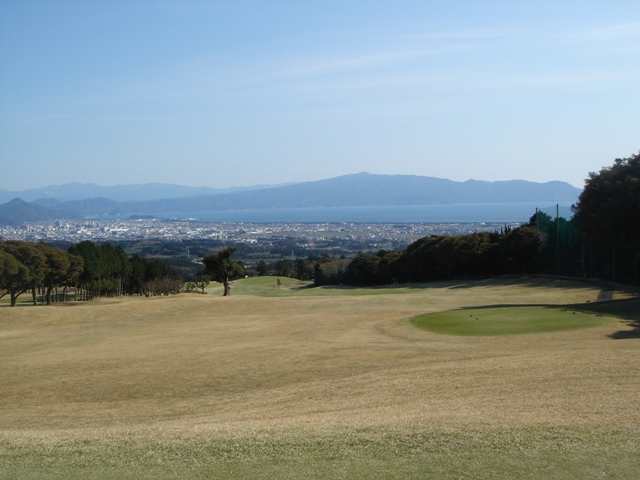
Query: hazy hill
x,y
18,211
365,189
361,189
121,193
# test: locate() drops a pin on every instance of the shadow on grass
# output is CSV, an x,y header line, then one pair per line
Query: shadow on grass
x,y
626,310
547,281
626,334
429,285
68,303
488,282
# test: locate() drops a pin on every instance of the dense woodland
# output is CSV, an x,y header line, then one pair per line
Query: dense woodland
x,y
87,269
484,254
602,240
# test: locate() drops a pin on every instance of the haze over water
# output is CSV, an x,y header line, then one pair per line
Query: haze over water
x,y
451,213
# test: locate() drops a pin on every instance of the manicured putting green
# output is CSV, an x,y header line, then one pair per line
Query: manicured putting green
x,y
506,321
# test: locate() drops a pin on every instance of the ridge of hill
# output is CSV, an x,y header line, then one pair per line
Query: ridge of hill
x,y
362,189
121,193
18,211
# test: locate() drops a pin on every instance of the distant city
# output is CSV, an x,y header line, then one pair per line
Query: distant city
x,y
306,235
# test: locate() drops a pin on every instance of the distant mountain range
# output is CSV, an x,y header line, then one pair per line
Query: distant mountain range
x,y
122,193
76,201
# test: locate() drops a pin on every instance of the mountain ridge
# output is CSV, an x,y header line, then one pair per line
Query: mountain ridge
x,y
361,189
126,192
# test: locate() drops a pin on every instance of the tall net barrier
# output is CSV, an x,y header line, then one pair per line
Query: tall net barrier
x,y
561,242
565,252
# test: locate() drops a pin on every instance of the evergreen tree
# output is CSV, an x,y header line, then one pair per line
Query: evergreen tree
x,y
222,267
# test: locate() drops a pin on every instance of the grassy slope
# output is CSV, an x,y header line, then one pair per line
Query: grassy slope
x,y
314,383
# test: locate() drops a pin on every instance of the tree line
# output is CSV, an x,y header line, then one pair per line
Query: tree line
x,y
90,270
36,267
481,254
108,271
607,216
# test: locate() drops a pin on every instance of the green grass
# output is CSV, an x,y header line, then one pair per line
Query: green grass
x,y
506,321
267,286
27,299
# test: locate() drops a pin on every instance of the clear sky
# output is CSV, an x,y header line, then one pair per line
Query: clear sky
x,y
238,93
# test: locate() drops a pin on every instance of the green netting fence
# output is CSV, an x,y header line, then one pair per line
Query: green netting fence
x,y
564,251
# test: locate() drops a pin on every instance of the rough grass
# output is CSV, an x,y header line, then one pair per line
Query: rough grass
x,y
317,383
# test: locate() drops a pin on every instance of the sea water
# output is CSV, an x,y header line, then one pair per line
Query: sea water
x,y
450,213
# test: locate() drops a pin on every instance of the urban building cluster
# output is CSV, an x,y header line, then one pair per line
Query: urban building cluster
x,y
173,230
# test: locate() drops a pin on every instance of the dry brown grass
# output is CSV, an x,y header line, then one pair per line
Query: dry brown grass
x,y
281,378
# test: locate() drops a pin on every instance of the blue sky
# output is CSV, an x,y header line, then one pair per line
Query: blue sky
x,y
229,93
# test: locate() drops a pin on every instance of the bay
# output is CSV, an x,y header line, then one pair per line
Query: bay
x,y
519,212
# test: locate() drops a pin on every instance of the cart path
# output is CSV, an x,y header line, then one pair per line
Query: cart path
x,y
606,293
